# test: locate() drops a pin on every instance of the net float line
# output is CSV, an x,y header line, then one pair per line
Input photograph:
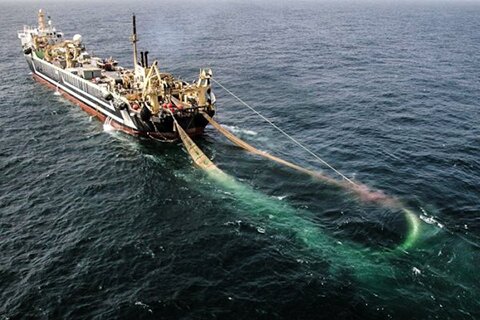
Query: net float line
x,y
361,190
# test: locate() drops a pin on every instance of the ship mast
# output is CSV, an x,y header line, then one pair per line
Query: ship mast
x,y
41,20
134,42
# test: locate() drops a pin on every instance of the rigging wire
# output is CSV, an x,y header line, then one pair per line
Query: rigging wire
x,y
285,134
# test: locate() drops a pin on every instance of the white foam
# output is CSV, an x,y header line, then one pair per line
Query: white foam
x,y
431,220
416,271
260,230
144,305
235,129
107,127
233,223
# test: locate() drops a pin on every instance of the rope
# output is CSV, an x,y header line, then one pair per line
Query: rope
x,y
286,134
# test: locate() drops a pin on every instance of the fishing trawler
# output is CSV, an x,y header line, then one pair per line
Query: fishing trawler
x,y
144,101
141,101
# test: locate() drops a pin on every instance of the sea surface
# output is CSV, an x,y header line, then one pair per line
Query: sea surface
x,y
98,224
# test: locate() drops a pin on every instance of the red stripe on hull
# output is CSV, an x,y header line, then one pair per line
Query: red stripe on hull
x,y
100,116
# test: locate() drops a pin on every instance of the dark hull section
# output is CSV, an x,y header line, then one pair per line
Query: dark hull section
x,y
91,100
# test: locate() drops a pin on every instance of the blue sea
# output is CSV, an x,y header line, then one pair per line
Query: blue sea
x,y
99,224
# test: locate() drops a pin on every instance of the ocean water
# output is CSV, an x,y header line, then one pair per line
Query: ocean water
x,y
98,224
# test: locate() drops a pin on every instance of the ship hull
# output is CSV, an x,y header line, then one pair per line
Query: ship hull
x,y
94,104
